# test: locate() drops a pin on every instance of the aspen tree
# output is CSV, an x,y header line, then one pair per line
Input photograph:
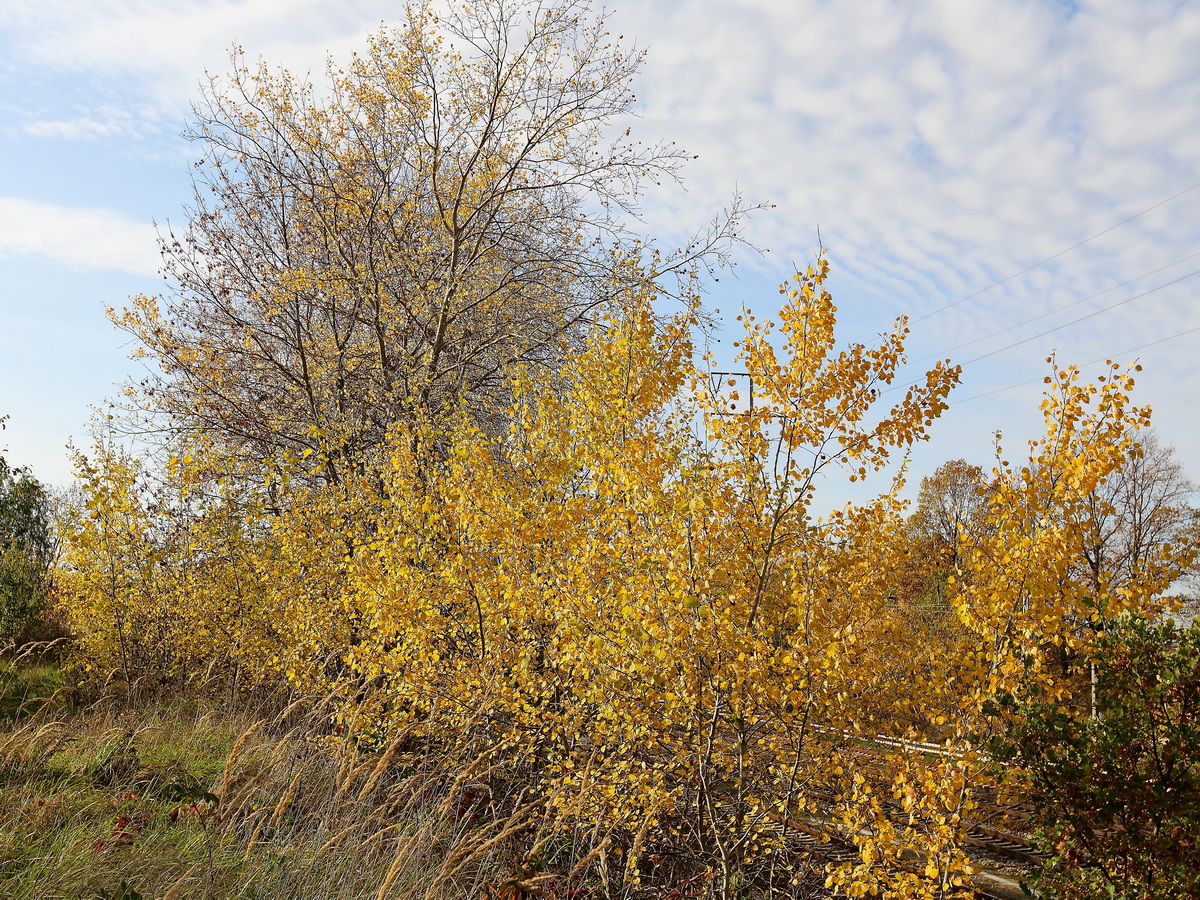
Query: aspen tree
x,y
607,565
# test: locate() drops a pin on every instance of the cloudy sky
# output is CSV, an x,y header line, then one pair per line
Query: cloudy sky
x,y
948,151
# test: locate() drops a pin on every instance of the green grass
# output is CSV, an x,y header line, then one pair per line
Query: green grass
x,y
119,799
24,688
88,799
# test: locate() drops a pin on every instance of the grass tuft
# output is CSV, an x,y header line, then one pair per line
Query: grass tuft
x,y
134,796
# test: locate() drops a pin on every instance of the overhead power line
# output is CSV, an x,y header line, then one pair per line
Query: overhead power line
x,y
1170,337
1056,328
1083,318
1093,362
1057,309
1055,256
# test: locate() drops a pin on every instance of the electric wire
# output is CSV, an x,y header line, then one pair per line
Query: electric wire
x,y
1057,328
1093,362
1057,309
1055,256
1083,318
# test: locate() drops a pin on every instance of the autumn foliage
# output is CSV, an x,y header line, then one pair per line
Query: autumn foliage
x,y
580,572
625,600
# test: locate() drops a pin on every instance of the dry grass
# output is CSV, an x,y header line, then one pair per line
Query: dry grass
x,y
201,795
202,798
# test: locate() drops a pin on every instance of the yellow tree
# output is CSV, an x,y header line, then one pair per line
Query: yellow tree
x,y
110,570
385,248
1143,505
949,506
607,565
1036,587
258,592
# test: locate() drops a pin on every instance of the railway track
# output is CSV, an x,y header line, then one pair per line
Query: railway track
x,y
1003,844
1000,855
820,842
1008,844
994,887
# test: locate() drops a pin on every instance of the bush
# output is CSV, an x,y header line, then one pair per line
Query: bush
x,y
1118,794
27,549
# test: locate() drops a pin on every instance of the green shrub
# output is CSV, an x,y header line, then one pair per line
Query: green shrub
x,y
1118,794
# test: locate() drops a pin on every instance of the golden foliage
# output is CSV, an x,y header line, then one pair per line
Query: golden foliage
x,y
440,456
624,602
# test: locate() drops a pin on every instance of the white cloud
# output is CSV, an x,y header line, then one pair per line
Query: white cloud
x,y
167,44
87,238
80,128
939,144
106,121
981,121
942,147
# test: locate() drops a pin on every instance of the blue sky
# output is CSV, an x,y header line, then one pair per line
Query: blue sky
x,y
939,146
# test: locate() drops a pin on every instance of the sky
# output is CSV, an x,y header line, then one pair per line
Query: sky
x,y
1018,177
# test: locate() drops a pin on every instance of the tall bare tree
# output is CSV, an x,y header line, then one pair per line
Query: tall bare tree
x,y
388,245
1143,506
